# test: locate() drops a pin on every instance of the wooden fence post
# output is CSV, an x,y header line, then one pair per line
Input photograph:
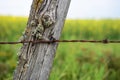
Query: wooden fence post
x,y
45,22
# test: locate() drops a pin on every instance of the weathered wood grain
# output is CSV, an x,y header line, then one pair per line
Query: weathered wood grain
x,y
35,60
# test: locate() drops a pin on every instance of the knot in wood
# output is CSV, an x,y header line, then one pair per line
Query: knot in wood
x,y
33,23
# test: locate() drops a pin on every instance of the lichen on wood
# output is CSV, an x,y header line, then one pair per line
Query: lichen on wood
x,y
45,21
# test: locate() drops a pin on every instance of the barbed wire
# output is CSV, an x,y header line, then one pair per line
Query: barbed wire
x,y
105,41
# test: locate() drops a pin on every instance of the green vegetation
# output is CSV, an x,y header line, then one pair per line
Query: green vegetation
x,y
73,61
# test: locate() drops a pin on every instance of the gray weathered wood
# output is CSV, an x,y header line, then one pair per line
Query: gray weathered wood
x,y
45,22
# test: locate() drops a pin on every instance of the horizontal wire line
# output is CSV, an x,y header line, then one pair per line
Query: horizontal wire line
x,y
46,41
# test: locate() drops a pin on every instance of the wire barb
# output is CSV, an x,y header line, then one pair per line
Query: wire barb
x,y
105,41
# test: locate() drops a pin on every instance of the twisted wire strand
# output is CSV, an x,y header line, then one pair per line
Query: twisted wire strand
x,y
65,41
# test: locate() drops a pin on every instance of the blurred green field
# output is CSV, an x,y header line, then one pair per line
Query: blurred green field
x,y
73,61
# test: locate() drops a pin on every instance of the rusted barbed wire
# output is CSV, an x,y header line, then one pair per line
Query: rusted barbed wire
x,y
106,41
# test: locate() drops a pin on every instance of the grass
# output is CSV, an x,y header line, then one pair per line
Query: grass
x,y
80,61
73,61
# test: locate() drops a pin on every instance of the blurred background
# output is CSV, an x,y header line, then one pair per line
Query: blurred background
x,y
86,19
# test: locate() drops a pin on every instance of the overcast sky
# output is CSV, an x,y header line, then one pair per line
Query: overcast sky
x,y
78,8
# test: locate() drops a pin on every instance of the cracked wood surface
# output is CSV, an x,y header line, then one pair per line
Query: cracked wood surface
x,y
35,59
